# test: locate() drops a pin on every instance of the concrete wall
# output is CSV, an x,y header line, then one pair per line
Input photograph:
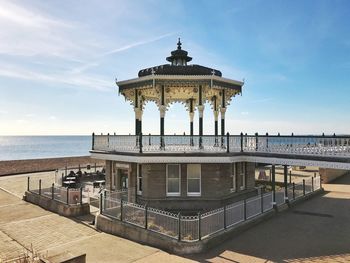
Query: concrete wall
x,y
328,175
55,206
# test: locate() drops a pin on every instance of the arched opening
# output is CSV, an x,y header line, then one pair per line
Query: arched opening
x,y
150,118
177,119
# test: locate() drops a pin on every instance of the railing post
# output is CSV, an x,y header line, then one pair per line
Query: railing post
x,y
121,210
225,223
28,181
290,176
262,200
101,208
39,186
140,141
146,217
293,191
256,142
312,183
228,142
241,141
108,141
93,141
245,209
267,141
149,139
199,226
179,227
81,195
303,186
285,183
53,191
67,196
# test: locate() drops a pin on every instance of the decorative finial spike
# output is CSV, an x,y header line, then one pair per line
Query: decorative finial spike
x,y
179,44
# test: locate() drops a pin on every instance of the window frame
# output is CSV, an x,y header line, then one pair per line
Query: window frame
x,y
200,180
166,184
243,175
233,177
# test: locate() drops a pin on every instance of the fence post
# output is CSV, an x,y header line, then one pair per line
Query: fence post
x,y
262,201
28,180
179,227
199,226
53,191
303,186
101,208
241,141
245,209
140,141
225,223
312,183
293,191
290,176
256,142
81,195
39,186
285,183
146,217
273,171
121,210
228,142
67,196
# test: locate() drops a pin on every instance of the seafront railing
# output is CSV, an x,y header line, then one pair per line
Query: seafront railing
x,y
323,145
205,225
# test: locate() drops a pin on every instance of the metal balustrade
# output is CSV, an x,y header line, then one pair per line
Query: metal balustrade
x,y
201,226
333,146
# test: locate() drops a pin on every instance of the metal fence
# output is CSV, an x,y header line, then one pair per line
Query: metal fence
x,y
70,196
197,227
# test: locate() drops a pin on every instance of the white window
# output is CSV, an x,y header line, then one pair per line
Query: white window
x,y
193,179
233,177
139,179
243,175
173,179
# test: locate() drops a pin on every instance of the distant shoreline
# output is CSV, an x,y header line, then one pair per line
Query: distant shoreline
x,y
13,167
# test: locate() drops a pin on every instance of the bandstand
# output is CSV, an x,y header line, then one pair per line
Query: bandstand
x,y
190,172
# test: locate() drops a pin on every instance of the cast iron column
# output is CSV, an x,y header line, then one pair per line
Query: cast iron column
x,y
162,109
200,112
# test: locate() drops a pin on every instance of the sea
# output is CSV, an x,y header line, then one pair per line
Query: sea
x,y
36,147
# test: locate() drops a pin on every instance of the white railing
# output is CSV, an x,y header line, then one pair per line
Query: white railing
x,y
163,222
331,146
212,222
194,228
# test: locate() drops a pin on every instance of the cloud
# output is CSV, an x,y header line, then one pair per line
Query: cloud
x,y
52,117
136,44
77,80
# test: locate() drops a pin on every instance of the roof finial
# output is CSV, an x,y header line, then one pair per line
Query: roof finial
x,y
179,44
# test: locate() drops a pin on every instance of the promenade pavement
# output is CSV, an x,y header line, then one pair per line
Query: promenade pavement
x,y
313,231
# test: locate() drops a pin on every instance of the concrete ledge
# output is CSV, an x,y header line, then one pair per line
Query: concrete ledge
x,y
143,236
56,206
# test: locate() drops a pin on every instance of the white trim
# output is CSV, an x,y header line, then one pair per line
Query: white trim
x,y
138,179
166,182
180,77
219,159
200,181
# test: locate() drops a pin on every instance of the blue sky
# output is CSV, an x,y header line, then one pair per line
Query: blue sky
x,y
59,60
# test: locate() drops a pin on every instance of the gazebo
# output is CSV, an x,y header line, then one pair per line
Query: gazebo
x,y
190,84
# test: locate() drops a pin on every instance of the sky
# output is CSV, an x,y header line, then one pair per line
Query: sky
x,y
59,61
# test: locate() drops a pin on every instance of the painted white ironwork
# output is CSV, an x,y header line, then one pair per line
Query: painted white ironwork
x,y
134,214
253,207
234,214
163,222
189,228
212,222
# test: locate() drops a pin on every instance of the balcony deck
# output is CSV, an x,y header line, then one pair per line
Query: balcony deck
x,y
332,149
